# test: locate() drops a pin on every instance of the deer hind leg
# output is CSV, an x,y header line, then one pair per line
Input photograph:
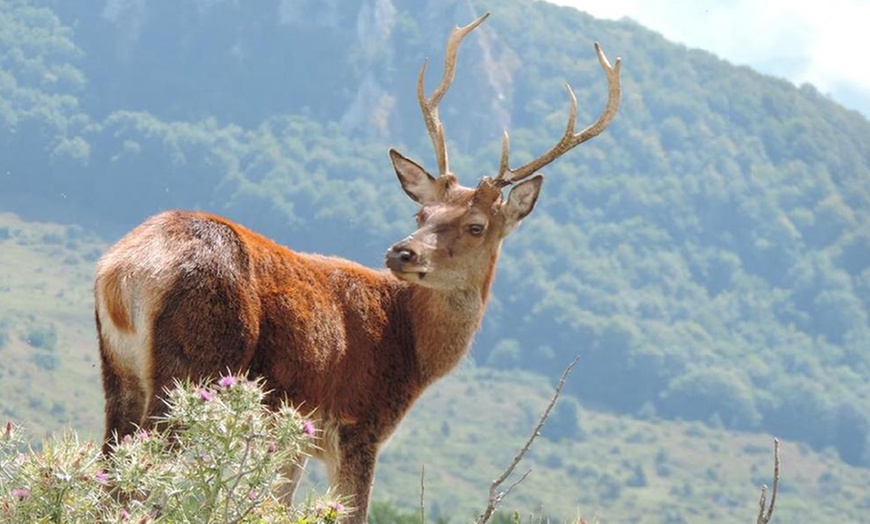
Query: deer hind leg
x,y
124,386
201,332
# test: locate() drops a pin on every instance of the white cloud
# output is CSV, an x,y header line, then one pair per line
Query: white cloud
x,y
821,43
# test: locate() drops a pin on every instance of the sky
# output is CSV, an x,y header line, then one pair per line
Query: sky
x,y
823,43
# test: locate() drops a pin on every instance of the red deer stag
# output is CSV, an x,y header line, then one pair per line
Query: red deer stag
x,y
189,294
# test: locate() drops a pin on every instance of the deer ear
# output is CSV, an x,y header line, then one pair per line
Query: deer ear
x,y
520,203
417,183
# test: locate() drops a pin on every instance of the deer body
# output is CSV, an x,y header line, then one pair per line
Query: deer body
x,y
357,344
193,295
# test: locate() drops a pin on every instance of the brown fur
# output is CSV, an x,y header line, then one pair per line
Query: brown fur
x,y
190,294
115,303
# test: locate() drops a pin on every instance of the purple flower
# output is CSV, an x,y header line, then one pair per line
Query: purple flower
x,y
308,428
338,507
101,477
205,395
271,447
142,435
124,515
20,493
227,381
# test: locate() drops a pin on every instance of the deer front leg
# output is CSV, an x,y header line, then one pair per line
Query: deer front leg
x,y
356,474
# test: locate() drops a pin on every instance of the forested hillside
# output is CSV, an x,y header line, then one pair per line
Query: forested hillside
x,y
708,256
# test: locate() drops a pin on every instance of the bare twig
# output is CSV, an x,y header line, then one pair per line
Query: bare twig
x,y
422,493
496,496
765,511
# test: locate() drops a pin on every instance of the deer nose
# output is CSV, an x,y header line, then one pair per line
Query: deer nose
x,y
403,255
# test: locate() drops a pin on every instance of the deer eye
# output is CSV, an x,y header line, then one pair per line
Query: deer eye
x,y
476,229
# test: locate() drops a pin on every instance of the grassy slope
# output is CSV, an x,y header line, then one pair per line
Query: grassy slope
x,y
46,274
705,474
465,429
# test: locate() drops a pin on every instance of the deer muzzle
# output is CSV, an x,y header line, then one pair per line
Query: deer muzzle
x,y
405,262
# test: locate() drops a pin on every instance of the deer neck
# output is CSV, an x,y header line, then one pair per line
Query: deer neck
x,y
445,322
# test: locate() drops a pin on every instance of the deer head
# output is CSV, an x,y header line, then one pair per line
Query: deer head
x,y
460,229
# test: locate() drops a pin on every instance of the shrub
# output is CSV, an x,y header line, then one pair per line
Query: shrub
x,y
700,393
46,360
564,421
637,477
216,458
42,337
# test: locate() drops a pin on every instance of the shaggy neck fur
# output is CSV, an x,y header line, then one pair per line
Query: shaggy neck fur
x,y
445,322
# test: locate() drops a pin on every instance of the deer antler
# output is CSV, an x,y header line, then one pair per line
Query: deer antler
x,y
429,106
569,140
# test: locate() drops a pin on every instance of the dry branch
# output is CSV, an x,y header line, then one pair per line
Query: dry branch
x,y
765,512
496,496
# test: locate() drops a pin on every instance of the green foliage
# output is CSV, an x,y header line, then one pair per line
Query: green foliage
x,y
46,360
703,393
43,340
564,421
42,337
217,459
384,513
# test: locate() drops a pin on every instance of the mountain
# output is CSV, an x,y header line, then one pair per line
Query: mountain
x,y
708,256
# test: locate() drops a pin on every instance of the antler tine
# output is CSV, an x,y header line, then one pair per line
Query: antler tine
x,y
570,139
429,106
505,152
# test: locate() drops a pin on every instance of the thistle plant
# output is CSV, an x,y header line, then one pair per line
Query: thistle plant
x,y
216,456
